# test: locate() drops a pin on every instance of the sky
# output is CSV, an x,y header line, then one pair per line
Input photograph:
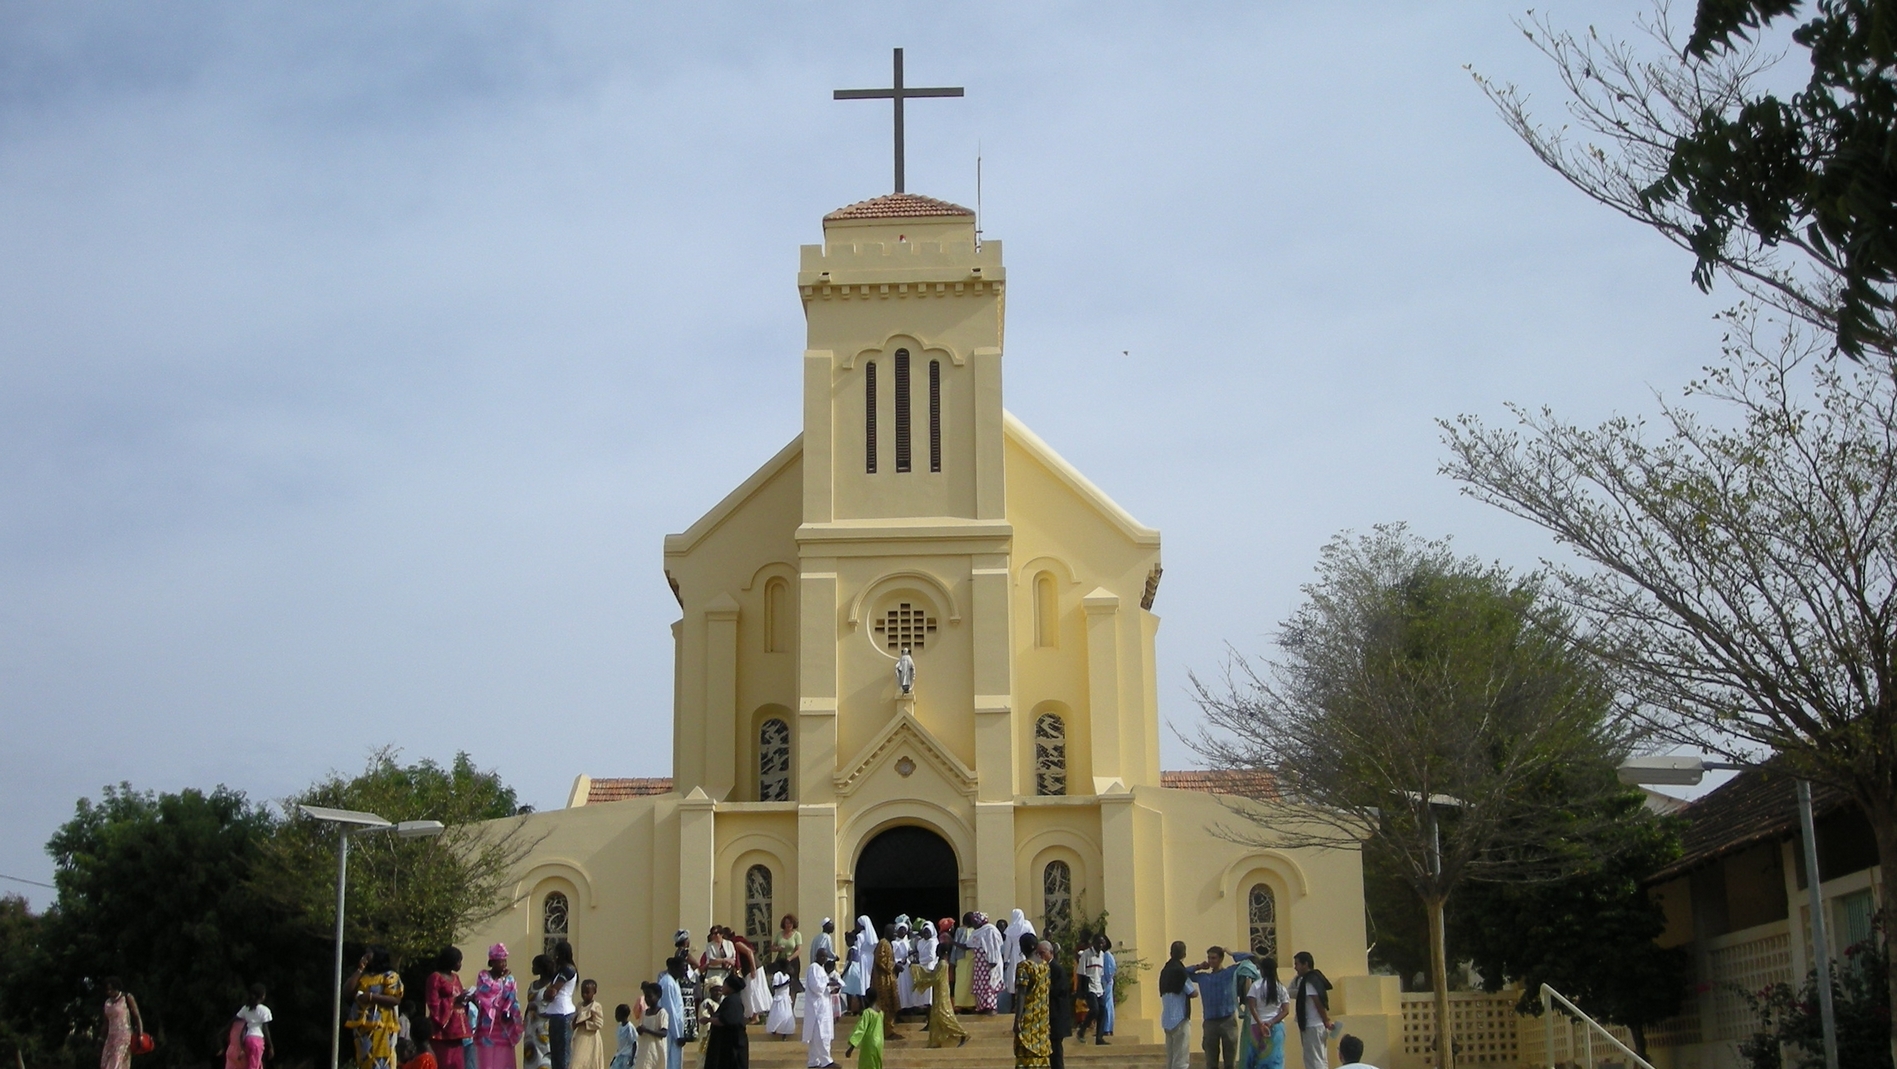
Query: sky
x,y
356,357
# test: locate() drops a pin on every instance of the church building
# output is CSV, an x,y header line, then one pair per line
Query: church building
x,y
1021,770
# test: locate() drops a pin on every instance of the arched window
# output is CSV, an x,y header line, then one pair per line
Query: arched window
x,y
1261,914
554,918
1050,754
869,417
1046,611
773,761
757,904
777,616
1057,896
935,415
902,410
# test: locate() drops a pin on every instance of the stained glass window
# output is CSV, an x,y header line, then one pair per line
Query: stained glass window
x,y
553,921
1050,754
757,904
1057,896
773,760
1262,914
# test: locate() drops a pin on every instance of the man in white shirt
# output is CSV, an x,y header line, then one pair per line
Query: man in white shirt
x,y
1091,963
1176,992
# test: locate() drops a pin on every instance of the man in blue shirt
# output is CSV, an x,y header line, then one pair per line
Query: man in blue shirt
x,y
1218,999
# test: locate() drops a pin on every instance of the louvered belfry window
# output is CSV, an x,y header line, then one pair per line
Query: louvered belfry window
x,y
905,626
869,417
935,415
902,410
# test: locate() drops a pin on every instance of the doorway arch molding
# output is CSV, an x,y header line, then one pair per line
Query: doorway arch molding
x,y
873,821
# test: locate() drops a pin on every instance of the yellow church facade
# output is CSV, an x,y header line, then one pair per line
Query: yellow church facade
x,y
1022,770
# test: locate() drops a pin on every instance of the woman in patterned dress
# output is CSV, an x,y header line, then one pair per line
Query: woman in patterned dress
x,y
447,1004
498,1001
122,1022
377,992
1033,1045
537,1052
985,951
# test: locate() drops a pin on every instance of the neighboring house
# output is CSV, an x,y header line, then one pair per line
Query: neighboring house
x,y
1734,894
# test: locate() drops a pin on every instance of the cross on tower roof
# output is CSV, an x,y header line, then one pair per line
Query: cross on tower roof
x,y
898,93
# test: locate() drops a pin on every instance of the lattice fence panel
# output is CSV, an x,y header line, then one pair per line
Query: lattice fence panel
x,y
1485,1027
1749,966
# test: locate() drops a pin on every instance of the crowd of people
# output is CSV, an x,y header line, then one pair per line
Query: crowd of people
x,y
707,999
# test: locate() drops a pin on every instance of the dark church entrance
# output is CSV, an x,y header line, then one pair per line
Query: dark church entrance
x,y
907,870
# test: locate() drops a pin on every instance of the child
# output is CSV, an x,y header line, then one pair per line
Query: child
x,y
589,1027
868,1034
782,1022
628,1043
256,1018
406,1056
654,1028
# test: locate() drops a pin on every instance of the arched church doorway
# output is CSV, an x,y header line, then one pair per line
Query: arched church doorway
x,y
909,870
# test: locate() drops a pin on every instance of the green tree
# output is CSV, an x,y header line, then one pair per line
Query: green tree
x,y
1422,704
1794,199
413,896
1590,934
19,945
154,888
1738,570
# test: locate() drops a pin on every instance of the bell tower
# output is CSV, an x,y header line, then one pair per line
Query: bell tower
x,y
902,374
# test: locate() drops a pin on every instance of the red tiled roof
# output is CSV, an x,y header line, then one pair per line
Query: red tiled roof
x,y
1247,783
1759,805
897,206
613,790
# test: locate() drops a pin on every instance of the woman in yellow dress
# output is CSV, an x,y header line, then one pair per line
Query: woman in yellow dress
x,y
882,980
934,974
1032,1045
376,989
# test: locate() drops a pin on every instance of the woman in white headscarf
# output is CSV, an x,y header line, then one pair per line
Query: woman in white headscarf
x,y
905,949
1018,926
986,951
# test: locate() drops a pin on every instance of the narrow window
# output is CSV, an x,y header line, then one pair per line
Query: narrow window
x,y
757,904
1050,754
1057,897
1046,612
1261,914
935,415
777,616
902,410
869,417
553,922
773,761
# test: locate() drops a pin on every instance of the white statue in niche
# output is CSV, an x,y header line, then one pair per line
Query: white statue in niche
x,y
906,671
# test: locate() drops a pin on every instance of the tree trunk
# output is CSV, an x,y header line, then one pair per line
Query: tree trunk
x,y
1439,974
1884,828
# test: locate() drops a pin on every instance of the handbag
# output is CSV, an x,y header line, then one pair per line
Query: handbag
x,y
143,1043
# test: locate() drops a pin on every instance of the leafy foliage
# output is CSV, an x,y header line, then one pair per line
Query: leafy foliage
x,y
1794,200
1792,1025
410,895
1434,710
1592,934
1743,568
154,888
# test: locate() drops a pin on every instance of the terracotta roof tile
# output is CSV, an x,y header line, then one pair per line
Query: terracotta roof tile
x,y
897,206
1248,783
1759,805
614,790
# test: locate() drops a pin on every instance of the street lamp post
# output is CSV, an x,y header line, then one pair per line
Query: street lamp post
x,y
352,822
1687,772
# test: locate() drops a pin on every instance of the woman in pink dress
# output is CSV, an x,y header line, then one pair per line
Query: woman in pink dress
x,y
498,1001
121,1024
447,1004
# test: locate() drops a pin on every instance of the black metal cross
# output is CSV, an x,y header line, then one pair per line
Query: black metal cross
x,y
897,93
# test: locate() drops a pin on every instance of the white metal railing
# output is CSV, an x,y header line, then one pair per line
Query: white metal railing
x,y
1586,1025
